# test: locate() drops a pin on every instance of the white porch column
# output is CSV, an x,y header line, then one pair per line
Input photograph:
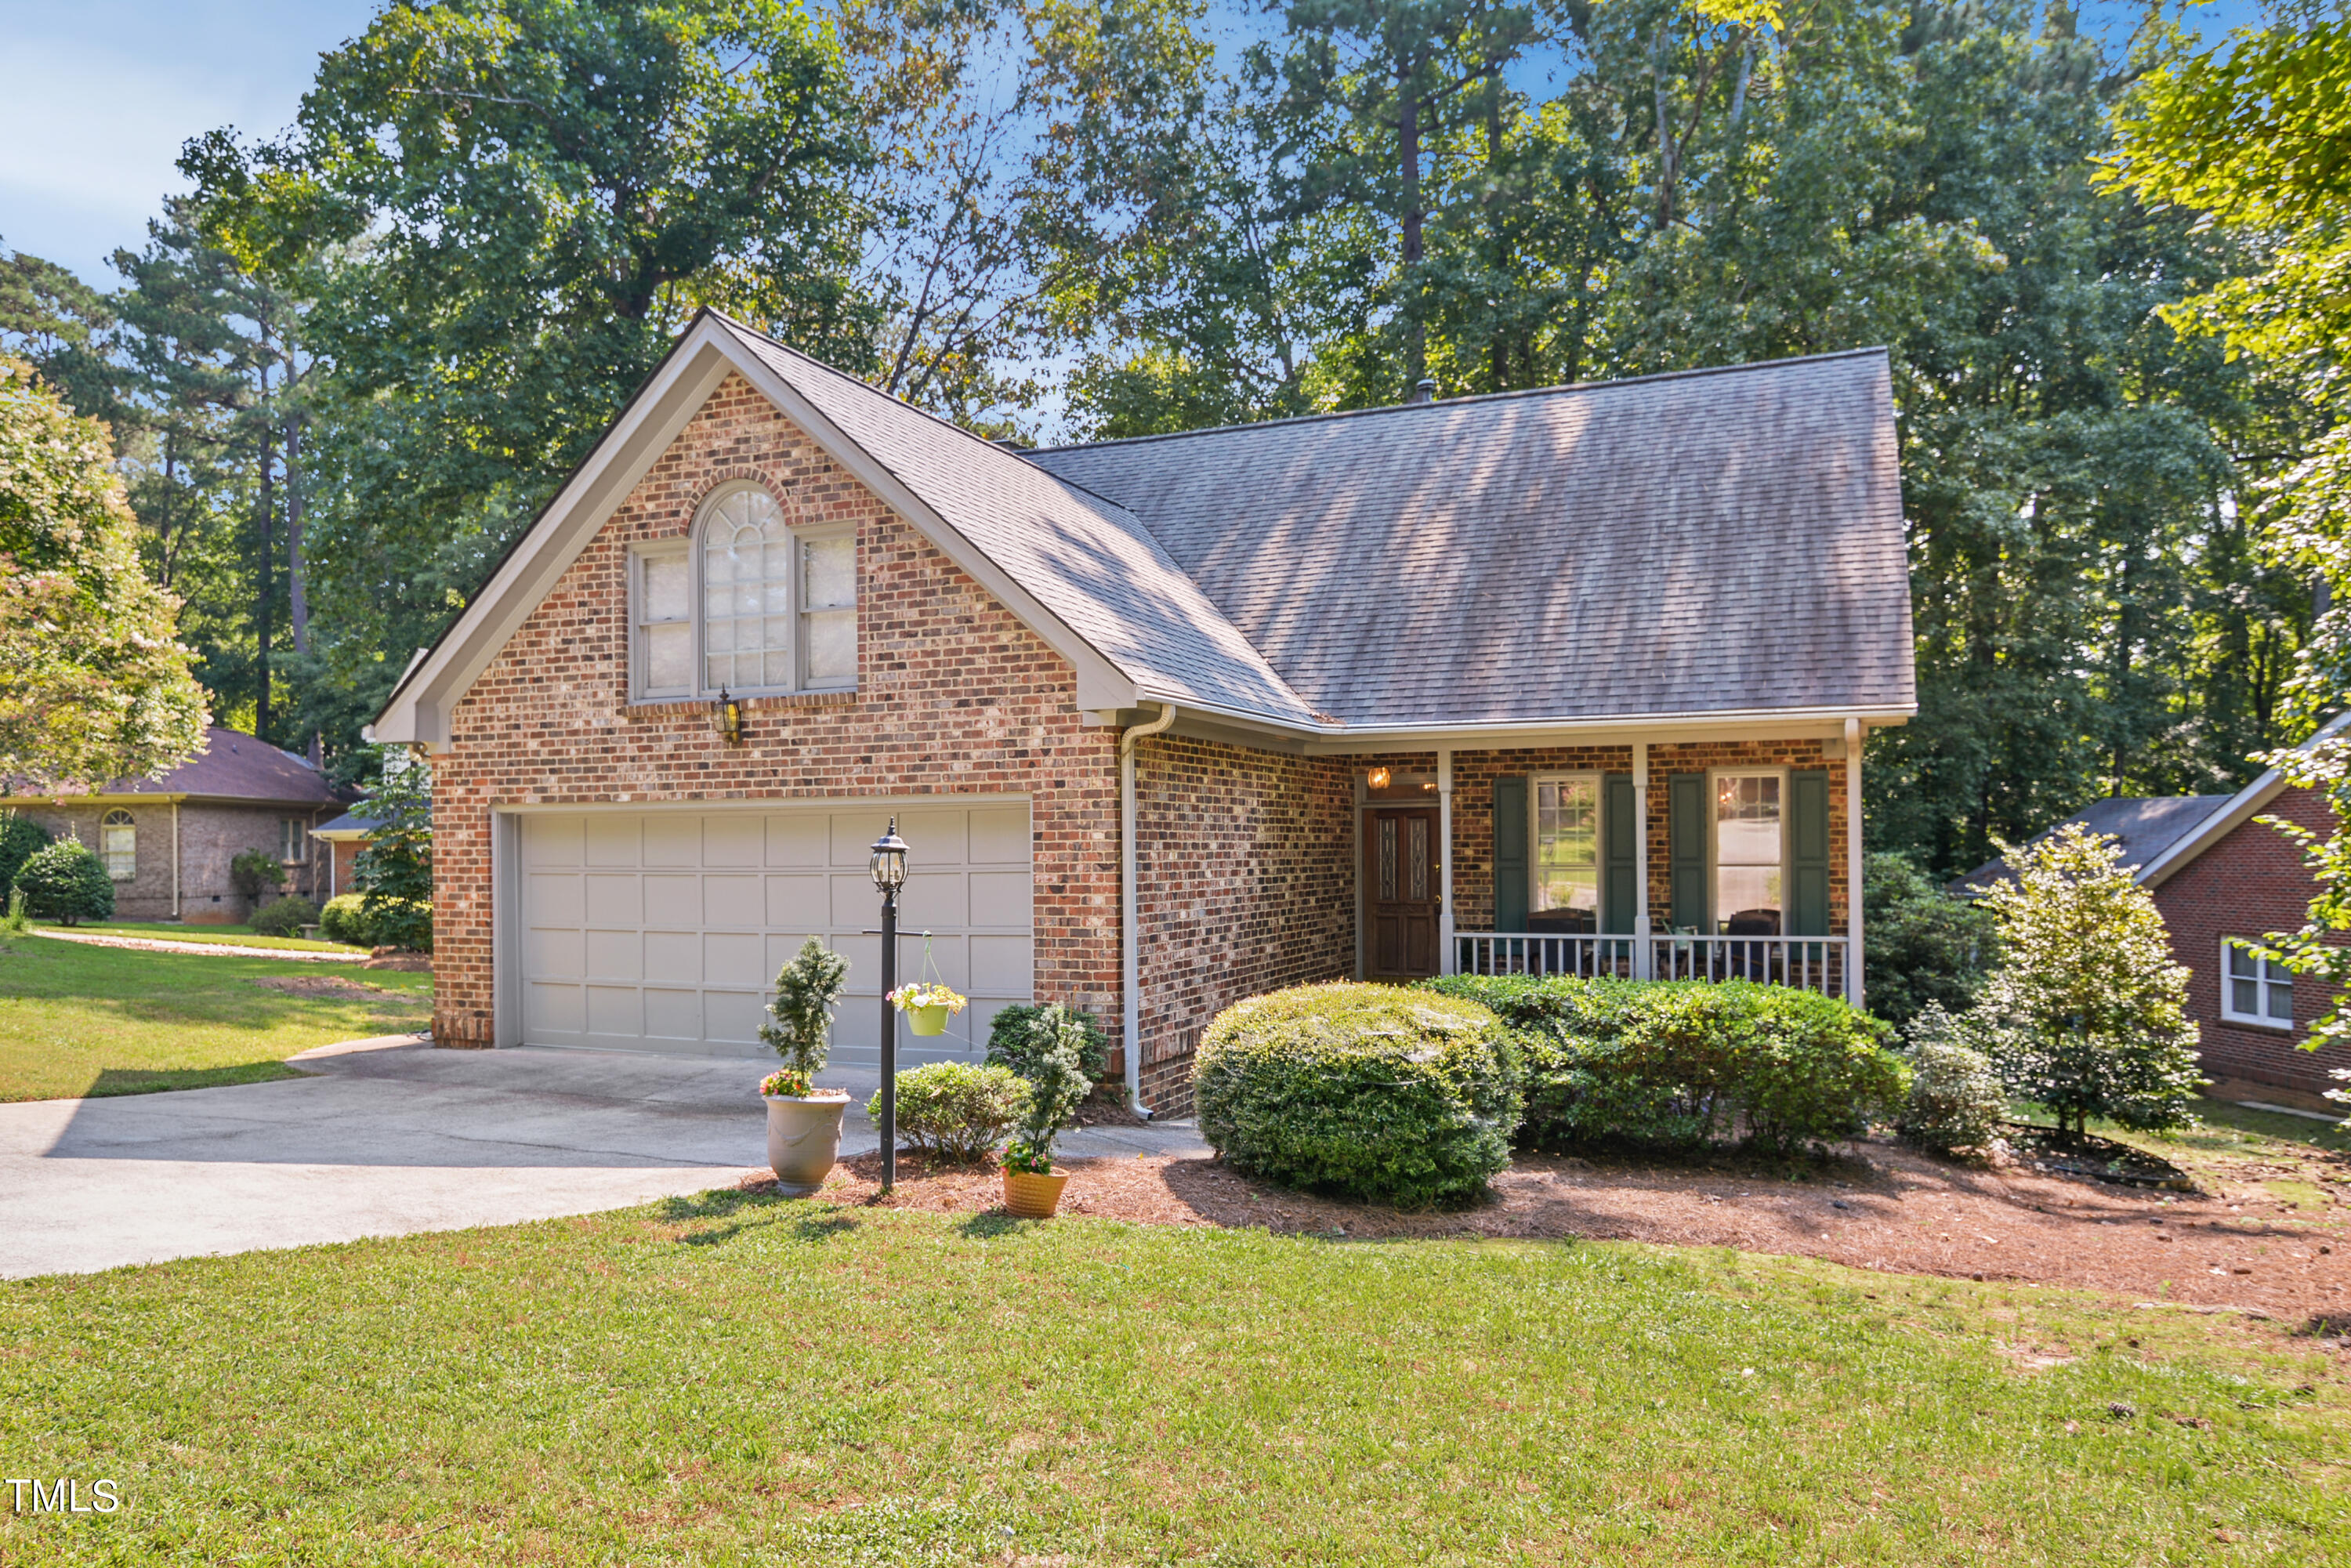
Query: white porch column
x,y
1446,961
1854,736
1641,860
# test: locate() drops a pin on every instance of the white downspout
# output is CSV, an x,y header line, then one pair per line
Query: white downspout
x,y
1854,736
1447,961
1130,948
175,860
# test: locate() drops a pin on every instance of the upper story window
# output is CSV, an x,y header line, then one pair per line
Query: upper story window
x,y
747,605
117,845
1750,853
2254,989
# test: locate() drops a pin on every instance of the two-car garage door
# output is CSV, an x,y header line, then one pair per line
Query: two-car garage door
x,y
663,930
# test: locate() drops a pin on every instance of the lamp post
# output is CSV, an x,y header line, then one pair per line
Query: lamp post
x,y
889,868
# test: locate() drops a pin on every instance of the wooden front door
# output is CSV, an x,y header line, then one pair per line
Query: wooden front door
x,y
1402,892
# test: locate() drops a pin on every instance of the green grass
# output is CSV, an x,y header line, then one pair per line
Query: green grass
x,y
228,936
76,1020
735,1379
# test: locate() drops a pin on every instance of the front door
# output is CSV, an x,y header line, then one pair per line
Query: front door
x,y
1402,892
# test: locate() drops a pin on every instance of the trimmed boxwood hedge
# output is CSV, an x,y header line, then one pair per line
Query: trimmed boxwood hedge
x,y
1373,1092
1677,1064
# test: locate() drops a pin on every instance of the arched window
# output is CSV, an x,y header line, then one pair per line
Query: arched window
x,y
748,605
117,845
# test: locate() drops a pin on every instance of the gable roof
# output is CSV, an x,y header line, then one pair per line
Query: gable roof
x,y
235,765
1679,543
2232,813
2144,826
1724,543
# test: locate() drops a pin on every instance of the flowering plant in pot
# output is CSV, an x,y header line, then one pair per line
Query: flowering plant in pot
x,y
803,1120
1057,1084
929,1005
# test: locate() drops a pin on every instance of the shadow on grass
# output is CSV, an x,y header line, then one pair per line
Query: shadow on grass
x,y
747,1206
116,1080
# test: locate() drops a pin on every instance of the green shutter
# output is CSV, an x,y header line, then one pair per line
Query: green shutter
x,y
1686,824
1618,823
1511,877
1808,853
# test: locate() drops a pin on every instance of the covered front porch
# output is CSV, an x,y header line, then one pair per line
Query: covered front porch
x,y
1707,857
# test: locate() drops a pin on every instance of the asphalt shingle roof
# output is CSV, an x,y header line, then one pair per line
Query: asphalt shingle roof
x,y
1701,542
2145,825
239,767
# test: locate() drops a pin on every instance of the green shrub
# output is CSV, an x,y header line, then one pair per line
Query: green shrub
x,y
67,883
1024,1031
254,873
1925,946
343,919
1676,1064
1956,1101
957,1109
20,836
1375,1092
1057,1084
285,917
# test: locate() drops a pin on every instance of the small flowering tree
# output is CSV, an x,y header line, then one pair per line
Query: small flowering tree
x,y
2087,1012
799,1026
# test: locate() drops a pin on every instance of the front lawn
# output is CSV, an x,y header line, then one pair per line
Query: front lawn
x,y
225,935
80,1019
739,1378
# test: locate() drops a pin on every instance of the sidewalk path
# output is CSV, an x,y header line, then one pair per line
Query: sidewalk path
x,y
164,945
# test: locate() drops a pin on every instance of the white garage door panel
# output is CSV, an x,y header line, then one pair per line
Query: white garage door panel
x,y
663,930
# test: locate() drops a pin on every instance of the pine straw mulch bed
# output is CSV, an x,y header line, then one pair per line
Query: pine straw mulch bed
x,y
1878,1206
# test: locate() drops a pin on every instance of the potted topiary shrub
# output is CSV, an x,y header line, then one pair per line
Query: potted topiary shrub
x,y
1057,1083
928,1005
803,1121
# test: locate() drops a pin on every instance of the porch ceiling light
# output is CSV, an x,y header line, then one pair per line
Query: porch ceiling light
x,y
727,717
889,862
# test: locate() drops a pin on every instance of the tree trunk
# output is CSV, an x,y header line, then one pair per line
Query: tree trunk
x,y
1415,350
297,600
266,520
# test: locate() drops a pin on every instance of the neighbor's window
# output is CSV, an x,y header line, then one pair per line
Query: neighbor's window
x,y
754,606
1566,893
1748,853
296,841
2254,989
117,845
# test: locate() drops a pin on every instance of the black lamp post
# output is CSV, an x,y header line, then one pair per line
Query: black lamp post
x,y
889,867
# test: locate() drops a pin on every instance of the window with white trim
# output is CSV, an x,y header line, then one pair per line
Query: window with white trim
x,y
117,845
1566,860
1750,853
2254,989
749,606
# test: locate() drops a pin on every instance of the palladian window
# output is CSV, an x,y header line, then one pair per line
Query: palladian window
x,y
751,606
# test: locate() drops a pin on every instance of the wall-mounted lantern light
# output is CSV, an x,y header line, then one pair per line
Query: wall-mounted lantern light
x,y
727,717
1379,778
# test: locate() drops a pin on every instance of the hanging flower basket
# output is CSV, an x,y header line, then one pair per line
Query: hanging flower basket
x,y
928,1005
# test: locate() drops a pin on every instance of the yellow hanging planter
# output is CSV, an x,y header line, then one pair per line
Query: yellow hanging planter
x,y
928,1005
930,1019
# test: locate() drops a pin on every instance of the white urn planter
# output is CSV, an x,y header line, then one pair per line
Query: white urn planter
x,y
803,1140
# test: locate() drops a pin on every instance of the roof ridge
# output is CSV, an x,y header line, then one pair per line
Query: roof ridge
x,y
1563,387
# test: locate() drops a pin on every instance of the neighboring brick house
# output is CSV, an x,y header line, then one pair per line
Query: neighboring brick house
x,y
341,841
168,841
1167,722
2223,879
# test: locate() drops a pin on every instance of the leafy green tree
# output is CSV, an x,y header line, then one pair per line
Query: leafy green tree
x,y
393,871
2087,1012
1927,948
66,883
93,685
61,326
20,836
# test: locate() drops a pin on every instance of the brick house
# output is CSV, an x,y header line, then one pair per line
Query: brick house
x,y
2223,879
341,843
1573,680
168,841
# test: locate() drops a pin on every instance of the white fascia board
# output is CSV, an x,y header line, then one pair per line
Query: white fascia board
x,y
1342,740
418,712
2241,808
1100,683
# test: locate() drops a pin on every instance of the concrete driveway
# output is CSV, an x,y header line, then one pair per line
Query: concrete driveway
x,y
387,1137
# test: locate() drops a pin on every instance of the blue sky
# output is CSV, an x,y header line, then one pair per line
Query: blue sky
x,y
100,95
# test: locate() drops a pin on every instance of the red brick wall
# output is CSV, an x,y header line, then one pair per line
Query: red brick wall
x,y
954,695
1245,884
2252,883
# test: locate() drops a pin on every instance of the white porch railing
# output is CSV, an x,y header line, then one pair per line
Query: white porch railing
x,y
1808,962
